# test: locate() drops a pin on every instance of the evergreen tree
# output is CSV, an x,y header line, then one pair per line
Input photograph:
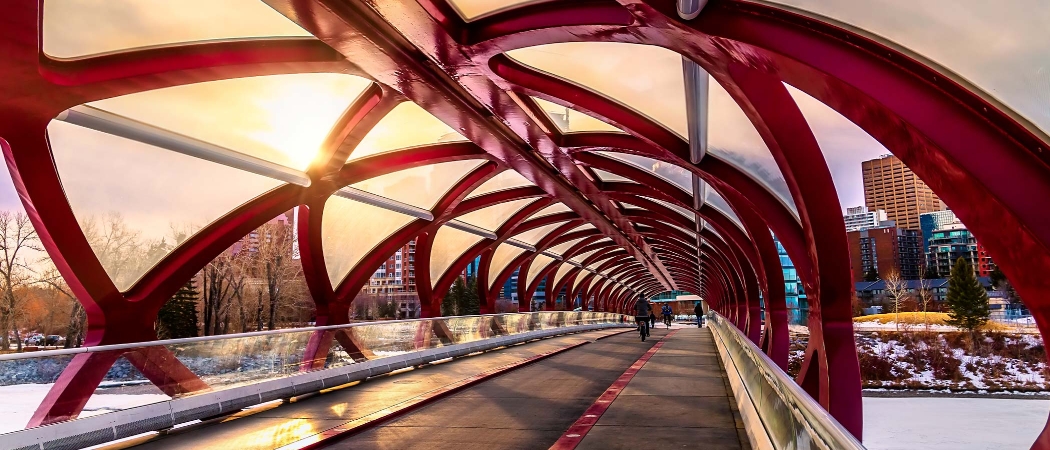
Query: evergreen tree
x,y
178,317
967,301
462,299
931,272
997,277
871,274
1001,283
450,305
471,304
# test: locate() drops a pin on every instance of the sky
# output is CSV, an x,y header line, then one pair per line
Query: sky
x,y
284,118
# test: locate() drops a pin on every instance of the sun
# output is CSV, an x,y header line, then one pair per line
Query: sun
x,y
297,115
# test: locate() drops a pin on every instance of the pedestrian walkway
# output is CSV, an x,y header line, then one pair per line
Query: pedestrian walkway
x,y
679,398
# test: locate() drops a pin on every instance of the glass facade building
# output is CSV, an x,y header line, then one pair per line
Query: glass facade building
x,y
797,306
934,221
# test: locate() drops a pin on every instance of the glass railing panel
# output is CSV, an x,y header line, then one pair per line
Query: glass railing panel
x,y
225,362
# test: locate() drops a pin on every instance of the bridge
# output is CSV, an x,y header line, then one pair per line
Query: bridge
x,y
520,380
580,152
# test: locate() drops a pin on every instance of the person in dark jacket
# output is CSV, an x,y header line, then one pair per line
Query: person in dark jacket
x,y
699,311
641,313
652,316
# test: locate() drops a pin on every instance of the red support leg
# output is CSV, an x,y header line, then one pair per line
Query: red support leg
x,y
73,388
161,367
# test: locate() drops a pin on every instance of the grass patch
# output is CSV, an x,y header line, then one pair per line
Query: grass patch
x,y
916,318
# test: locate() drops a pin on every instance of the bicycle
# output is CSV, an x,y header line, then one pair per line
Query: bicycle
x,y
643,327
667,320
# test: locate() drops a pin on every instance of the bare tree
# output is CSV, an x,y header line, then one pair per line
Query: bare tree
x,y
117,247
897,290
275,265
925,297
217,292
16,236
76,324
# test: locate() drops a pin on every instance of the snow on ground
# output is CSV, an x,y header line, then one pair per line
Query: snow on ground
x,y
892,326
18,402
952,423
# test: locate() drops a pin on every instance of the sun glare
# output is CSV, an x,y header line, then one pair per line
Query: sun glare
x,y
279,118
296,118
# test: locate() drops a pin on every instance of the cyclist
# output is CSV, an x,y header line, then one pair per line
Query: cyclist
x,y
666,311
641,316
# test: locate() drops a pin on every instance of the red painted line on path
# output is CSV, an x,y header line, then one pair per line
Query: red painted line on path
x,y
575,434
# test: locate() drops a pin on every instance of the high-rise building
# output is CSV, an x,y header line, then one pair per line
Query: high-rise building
x,y
397,273
954,241
887,249
891,186
934,221
860,218
797,305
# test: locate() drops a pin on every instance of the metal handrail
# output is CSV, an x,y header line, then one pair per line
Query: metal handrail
x,y
821,425
112,347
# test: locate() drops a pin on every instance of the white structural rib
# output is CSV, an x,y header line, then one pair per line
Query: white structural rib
x,y
109,123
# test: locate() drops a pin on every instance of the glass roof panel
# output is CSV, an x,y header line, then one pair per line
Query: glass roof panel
x,y
597,262
738,143
503,255
675,174
582,256
562,271
844,145
492,217
552,209
609,176
579,279
150,198
586,226
534,235
599,285
619,276
999,46
713,231
74,28
471,10
538,264
421,186
349,230
647,78
283,119
390,132
570,120
716,201
691,233
506,179
564,246
680,210
449,244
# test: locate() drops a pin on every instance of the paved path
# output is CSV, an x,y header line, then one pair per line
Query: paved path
x,y
679,398
528,408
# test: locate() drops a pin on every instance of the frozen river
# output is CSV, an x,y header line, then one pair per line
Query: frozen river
x,y
952,423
